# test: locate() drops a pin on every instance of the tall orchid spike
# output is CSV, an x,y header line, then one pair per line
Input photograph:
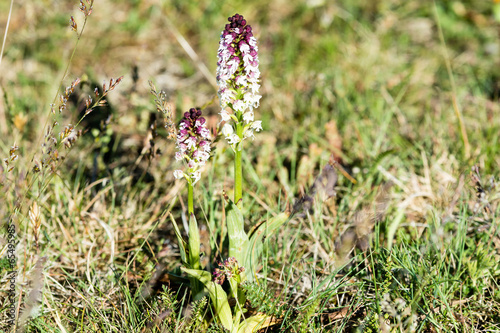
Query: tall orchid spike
x,y
238,79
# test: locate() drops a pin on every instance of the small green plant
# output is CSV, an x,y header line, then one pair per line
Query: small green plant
x,y
199,310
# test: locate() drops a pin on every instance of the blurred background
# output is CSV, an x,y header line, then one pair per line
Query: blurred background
x,y
348,64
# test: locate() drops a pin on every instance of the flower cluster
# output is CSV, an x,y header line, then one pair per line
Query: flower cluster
x,y
229,268
193,144
238,79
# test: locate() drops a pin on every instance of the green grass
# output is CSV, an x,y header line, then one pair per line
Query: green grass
x,y
413,246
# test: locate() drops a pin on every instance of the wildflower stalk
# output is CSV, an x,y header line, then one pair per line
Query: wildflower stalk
x,y
238,80
193,144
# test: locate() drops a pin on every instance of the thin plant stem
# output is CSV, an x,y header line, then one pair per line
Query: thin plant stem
x,y
6,30
238,178
238,169
190,199
237,315
193,242
36,176
241,297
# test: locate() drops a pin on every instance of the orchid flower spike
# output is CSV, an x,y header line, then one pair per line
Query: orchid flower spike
x,y
193,145
238,80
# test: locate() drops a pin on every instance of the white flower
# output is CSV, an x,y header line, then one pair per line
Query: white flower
x,y
257,125
228,39
239,106
202,157
247,58
253,42
248,133
248,117
252,99
233,65
178,174
191,142
192,164
205,133
225,115
233,139
254,87
244,48
205,145
227,129
241,81
195,176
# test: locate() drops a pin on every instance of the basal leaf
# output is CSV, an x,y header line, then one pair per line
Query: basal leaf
x,y
238,239
180,240
194,243
217,295
256,323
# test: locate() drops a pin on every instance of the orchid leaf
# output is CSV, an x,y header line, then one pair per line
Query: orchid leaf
x,y
194,243
194,254
238,239
256,323
217,295
180,240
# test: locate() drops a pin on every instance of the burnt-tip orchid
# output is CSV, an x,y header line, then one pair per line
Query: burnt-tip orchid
x,y
193,145
238,80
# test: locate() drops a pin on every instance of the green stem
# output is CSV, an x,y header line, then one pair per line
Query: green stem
x,y
193,244
238,169
190,199
238,179
237,316
241,297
